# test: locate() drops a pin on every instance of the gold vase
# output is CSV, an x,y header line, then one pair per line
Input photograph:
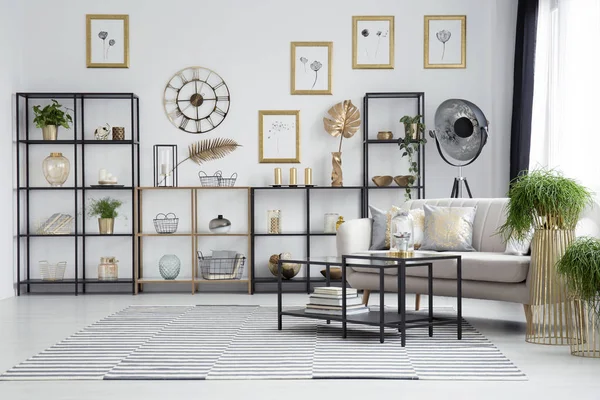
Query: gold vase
x,y
549,310
49,132
585,327
336,173
106,226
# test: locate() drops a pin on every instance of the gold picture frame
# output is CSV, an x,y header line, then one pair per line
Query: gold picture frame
x,y
428,61
299,83
278,135
119,40
360,52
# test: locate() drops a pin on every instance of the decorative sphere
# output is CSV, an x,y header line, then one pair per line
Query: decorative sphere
x,y
288,270
169,266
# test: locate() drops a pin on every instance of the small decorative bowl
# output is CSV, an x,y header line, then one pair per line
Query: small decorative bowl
x,y
385,135
404,180
384,180
334,273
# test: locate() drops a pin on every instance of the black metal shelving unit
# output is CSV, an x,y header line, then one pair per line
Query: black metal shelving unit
x,y
78,168
419,186
307,280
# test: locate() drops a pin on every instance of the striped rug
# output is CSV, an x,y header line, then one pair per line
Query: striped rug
x,y
242,342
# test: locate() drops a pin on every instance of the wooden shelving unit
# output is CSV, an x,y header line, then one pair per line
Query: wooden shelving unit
x,y
194,236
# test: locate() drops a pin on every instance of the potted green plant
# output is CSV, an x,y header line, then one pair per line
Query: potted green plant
x,y
413,138
105,209
580,266
550,204
50,118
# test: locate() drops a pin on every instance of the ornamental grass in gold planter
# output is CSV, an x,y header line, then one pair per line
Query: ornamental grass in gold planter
x,y
550,204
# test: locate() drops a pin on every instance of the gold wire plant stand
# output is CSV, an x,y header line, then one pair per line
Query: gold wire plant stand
x,y
585,326
550,307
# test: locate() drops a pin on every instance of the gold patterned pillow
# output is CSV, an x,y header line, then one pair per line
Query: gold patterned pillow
x,y
448,228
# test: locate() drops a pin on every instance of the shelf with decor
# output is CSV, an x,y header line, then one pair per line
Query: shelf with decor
x,y
416,190
41,122
305,235
193,233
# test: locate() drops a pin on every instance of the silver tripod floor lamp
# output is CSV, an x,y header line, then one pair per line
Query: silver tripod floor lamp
x,y
461,131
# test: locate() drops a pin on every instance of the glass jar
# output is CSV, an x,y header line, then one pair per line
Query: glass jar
x,y
274,221
56,169
108,269
329,222
402,232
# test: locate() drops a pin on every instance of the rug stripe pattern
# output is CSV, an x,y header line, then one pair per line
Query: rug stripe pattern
x,y
242,342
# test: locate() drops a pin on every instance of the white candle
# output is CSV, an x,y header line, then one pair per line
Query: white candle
x,y
163,169
102,174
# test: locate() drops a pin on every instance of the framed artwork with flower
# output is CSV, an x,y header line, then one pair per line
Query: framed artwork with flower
x,y
445,41
311,67
279,136
373,42
107,41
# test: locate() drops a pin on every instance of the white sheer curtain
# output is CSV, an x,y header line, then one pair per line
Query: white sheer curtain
x,y
566,101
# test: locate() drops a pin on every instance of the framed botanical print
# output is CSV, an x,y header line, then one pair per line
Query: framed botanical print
x,y
445,41
107,41
279,136
311,67
373,42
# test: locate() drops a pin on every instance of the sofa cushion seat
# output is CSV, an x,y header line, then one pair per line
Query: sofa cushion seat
x,y
476,266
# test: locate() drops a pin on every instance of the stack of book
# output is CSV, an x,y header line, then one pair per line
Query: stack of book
x,y
328,301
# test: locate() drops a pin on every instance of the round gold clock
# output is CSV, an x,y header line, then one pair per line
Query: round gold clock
x,y
196,100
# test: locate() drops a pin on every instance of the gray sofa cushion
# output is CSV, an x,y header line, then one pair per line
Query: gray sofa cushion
x,y
476,266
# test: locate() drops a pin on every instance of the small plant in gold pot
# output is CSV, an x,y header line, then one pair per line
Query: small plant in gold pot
x,y
50,118
105,209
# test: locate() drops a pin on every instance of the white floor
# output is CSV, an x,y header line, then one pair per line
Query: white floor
x,y
30,324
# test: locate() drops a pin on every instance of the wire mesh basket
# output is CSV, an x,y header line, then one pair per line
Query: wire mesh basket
x,y
166,223
209,180
213,268
216,179
52,272
228,182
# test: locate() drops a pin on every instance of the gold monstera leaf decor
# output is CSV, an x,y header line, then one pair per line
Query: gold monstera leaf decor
x,y
344,123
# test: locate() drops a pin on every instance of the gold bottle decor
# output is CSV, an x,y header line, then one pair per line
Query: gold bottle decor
x,y
336,172
344,123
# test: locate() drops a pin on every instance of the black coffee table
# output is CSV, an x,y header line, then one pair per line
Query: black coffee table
x,y
399,319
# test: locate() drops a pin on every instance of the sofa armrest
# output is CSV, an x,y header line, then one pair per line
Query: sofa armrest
x,y
354,236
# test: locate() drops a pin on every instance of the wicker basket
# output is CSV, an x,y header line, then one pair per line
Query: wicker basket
x,y
52,272
209,180
221,268
166,223
227,182
216,179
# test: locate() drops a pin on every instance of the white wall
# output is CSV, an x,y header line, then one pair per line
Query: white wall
x,y
9,68
248,44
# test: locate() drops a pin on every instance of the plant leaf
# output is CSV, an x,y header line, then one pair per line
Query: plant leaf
x,y
346,120
211,149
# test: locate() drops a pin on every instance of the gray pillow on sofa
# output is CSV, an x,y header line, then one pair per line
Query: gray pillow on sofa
x,y
448,228
379,229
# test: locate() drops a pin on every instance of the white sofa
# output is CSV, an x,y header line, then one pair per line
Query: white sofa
x,y
487,273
